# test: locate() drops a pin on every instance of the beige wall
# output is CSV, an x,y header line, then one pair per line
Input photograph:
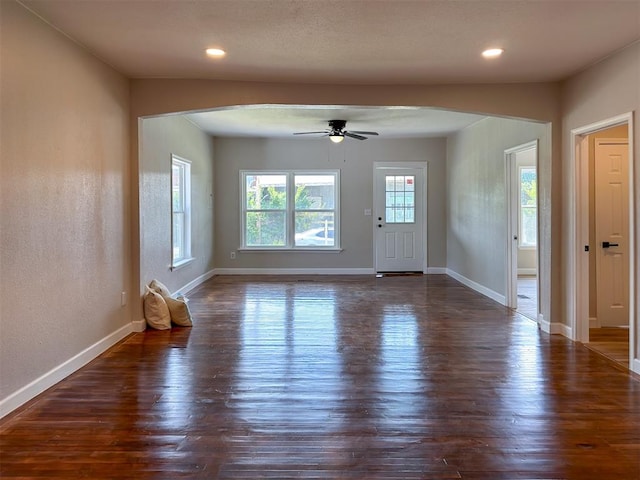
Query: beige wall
x,y
355,161
162,137
477,202
65,187
605,90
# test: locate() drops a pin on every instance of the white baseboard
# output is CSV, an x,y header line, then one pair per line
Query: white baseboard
x,y
53,376
138,326
487,292
554,328
593,322
635,366
194,283
527,271
294,271
436,271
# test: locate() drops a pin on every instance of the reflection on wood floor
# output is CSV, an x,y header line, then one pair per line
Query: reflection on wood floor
x,y
613,343
358,377
528,296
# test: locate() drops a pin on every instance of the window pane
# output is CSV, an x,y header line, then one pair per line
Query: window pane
x,y
528,206
400,199
528,183
315,228
528,227
265,229
181,210
178,236
314,192
177,185
389,216
266,192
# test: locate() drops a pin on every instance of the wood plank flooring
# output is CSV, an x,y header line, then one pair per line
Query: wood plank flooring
x,y
613,343
355,377
528,296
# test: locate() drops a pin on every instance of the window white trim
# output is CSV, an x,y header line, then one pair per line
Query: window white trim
x,y
184,242
290,212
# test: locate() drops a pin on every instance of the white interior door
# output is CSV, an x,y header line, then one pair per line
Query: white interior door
x,y
612,231
399,218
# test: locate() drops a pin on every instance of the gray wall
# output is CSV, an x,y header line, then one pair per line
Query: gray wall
x,y
355,160
476,196
161,137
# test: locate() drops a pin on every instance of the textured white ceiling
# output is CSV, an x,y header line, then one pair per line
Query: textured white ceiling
x,y
279,121
345,42
348,41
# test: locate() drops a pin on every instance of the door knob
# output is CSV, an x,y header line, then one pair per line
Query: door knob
x,y
379,225
607,245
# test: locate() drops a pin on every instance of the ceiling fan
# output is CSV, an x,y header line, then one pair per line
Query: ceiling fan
x,y
336,132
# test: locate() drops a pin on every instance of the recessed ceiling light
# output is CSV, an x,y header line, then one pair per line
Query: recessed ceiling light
x,y
216,52
492,52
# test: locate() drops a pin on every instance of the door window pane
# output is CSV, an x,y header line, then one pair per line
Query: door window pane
x,y
400,199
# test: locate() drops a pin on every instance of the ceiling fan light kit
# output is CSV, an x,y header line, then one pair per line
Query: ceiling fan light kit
x,y
336,132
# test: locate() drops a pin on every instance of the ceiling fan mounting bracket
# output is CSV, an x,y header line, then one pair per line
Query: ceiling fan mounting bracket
x,y
337,124
337,129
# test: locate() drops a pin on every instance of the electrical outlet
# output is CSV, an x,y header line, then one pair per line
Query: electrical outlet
x,y
123,299
233,255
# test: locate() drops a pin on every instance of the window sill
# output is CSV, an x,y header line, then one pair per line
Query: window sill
x,y
291,250
181,263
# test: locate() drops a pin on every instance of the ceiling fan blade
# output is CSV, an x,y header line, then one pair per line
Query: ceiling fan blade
x,y
310,133
354,135
363,133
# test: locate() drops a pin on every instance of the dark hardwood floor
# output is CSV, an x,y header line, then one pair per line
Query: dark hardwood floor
x,y
411,377
613,343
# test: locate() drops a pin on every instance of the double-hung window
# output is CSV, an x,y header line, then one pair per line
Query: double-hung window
x,y
528,208
290,210
180,211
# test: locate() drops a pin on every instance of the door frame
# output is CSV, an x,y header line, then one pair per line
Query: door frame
x,y
511,294
578,289
399,166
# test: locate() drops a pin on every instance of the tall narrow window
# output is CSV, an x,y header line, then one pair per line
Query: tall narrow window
x,y
290,210
528,207
181,211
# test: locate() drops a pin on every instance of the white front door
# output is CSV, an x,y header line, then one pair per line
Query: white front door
x,y
399,217
612,231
